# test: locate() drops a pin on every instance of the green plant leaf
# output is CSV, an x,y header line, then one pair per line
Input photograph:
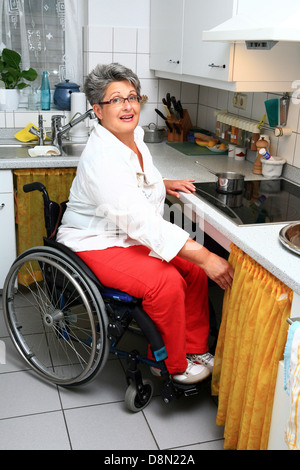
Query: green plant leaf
x,y
11,58
11,73
22,85
30,74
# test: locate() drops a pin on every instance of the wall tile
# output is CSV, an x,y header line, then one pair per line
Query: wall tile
x,y
98,39
286,148
148,115
2,119
258,106
125,40
296,160
128,60
149,87
189,93
92,59
143,40
142,67
223,96
202,116
9,119
168,86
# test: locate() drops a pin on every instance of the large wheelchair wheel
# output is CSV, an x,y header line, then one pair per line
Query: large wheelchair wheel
x,y
60,328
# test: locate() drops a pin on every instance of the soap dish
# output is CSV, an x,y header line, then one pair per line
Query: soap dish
x,y
43,150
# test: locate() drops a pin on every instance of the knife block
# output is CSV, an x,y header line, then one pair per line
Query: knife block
x,y
184,125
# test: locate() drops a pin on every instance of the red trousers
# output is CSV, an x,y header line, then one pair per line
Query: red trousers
x,y
174,295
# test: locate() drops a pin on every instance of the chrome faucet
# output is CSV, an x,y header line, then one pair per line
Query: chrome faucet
x,y
40,131
58,130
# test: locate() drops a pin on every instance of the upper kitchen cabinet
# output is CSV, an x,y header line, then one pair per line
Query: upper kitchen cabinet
x,y
206,59
178,51
166,40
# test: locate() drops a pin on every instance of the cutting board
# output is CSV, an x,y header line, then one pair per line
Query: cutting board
x,y
189,148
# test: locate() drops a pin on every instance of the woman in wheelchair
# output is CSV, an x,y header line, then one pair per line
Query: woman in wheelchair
x,y
114,222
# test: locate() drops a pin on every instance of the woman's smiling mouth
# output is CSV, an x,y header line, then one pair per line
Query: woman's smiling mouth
x,y
127,117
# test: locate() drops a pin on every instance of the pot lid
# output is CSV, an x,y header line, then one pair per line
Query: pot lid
x,y
67,84
154,127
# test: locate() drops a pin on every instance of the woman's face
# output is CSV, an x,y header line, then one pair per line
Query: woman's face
x,y
122,119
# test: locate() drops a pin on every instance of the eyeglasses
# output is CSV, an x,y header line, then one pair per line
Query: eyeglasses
x,y
119,100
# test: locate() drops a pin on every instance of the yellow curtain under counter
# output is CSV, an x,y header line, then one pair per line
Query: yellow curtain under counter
x,y
251,343
30,206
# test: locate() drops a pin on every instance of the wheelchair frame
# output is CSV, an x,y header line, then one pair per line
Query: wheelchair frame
x,y
71,322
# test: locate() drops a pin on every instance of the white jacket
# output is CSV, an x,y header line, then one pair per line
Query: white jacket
x,y
114,203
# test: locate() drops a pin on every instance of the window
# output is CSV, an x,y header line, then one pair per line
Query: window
x,y
46,33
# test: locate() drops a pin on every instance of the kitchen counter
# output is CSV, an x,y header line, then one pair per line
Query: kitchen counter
x,y
260,242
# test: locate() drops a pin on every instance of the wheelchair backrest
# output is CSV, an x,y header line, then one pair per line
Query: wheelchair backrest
x,y
53,211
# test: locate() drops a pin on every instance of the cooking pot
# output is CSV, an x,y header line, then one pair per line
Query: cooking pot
x,y
62,94
232,200
153,134
230,182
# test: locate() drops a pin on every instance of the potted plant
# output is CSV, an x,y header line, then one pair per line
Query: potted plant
x,y
13,78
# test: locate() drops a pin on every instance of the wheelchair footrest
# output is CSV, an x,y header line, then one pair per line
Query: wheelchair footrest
x,y
171,389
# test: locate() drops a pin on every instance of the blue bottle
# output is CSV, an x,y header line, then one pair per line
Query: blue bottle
x,y
45,92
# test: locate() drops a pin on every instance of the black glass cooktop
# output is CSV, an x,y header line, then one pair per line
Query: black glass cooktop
x,y
260,202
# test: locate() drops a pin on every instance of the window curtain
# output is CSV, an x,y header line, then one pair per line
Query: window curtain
x,y
47,34
251,343
29,207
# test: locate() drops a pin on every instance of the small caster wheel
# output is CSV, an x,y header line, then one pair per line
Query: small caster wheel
x,y
132,399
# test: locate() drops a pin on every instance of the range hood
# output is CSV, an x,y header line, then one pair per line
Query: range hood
x,y
256,32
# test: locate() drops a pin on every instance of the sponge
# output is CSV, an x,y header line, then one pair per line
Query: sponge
x,y
272,108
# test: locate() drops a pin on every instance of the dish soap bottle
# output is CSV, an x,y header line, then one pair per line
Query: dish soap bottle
x,y
45,92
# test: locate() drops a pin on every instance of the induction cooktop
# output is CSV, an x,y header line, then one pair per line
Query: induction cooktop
x,y
260,202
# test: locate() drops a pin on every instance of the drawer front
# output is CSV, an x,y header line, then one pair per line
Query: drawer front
x,y
6,181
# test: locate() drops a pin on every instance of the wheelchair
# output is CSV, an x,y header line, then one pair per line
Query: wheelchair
x,y
69,323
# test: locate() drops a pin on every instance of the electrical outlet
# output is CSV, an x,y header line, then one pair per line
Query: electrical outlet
x,y
240,100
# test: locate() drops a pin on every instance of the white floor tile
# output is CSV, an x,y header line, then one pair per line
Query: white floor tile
x,y
109,386
96,417
46,431
186,421
23,394
108,427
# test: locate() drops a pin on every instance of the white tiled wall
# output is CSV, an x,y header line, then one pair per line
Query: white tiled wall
x,y
130,46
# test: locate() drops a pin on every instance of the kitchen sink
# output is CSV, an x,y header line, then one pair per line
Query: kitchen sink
x,y
73,149
15,145
14,151
20,149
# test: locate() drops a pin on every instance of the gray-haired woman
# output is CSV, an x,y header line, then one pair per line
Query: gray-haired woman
x,y
114,221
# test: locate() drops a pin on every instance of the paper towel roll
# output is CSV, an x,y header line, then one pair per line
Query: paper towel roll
x,y
78,133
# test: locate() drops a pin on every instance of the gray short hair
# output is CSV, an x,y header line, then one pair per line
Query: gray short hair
x,y
102,76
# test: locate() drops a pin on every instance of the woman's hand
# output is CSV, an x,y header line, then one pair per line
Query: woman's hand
x,y
216,268
219,270
173,186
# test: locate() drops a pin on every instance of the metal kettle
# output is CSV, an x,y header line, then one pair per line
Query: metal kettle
x,y
62,94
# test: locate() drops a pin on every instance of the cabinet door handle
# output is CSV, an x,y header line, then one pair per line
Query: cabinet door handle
x,y
174,61
217,66
2,205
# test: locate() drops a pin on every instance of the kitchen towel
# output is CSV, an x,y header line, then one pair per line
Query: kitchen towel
x,y
25,136
78,133
292,385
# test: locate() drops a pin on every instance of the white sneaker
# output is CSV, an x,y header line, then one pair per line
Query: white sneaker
x,y
205,359
193,373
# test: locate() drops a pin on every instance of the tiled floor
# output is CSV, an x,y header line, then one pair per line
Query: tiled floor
x,y
38,415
